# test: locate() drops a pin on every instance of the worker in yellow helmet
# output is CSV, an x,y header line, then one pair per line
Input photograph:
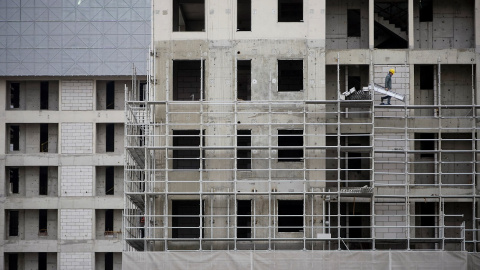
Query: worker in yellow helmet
x,y
388,86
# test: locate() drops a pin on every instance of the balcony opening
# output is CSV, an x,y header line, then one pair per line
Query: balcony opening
x,y
290,75
13,261
110,137
187,156
290,10
42,261
290,139
110,96
244,15
188,80
186,218
14,180
109,261
109,180
42,222
244,156
353,23
14,138
43,175
290,215
14,95
244,79
44,95
13,223
188,15
109,220
426,11
244,219
426,77
44,138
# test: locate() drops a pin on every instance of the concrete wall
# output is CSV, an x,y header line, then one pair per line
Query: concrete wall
x,y
29,182
100,181
101,139
100,233
101,90
28,225
29,140
30,95
336,25
100,260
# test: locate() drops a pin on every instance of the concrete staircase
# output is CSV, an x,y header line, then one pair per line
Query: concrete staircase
x,y
390,26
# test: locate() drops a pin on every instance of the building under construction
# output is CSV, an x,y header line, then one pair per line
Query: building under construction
x,y
260,140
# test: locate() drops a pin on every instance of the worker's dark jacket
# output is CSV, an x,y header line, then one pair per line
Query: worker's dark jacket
x,y
388,81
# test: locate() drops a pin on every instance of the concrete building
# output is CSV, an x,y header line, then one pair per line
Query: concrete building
x,y
63,70
248,149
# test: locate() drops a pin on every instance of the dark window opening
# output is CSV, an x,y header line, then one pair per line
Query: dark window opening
x,y
42,261
355,222
244,219
244,156
143,91
244,15
354,81
244,77
13,224
14,138
110,137
425,219
188,15
354,161
109,261
43,138
187,156
426,77
186,219
353,23
290,138
188,82
42,222
14,180
290,216
109,180
426,10
43,189
110,99
290,10
290,75
425,142
44,95
12,261
14,95
109,220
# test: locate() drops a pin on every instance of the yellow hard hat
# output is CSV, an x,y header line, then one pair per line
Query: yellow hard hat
x,y
392,71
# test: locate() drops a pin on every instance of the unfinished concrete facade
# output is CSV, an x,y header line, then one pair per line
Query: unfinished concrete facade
x,y
244,139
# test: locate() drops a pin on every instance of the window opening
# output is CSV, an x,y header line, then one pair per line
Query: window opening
x,y
425,219
42,261
188,15
44,95
109,261
290,216
13,224
187,79
44,138
186,219
13,261
290,138
43,190
244,219
189,156
244,79
14,138
290,10
353,23
109,180
14,95
426,10
14,180
425,142
42,222
354,81
142,92
110,99
244,15
290,75
426,77
110,137
244,156
109,220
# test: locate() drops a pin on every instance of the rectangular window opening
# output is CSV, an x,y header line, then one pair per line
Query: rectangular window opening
x,y
110,137
244,15
188,16
354,161
188,80
290,75
354,81
291,139
186,219
42,222
244,219
426,11
244,79
44,95
353,23
290,216
44,138
14,180
13,261
425,142
109,180
425,219
109,261
143,91
109,220
14,138
43,175
188,156
42,261
14,95
110,98
290,10
13,223
244,156
426,77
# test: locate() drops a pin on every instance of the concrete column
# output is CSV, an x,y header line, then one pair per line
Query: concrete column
x,y
477,94
371,24
411,36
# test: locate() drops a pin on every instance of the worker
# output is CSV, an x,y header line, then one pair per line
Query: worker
x,y
388,86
